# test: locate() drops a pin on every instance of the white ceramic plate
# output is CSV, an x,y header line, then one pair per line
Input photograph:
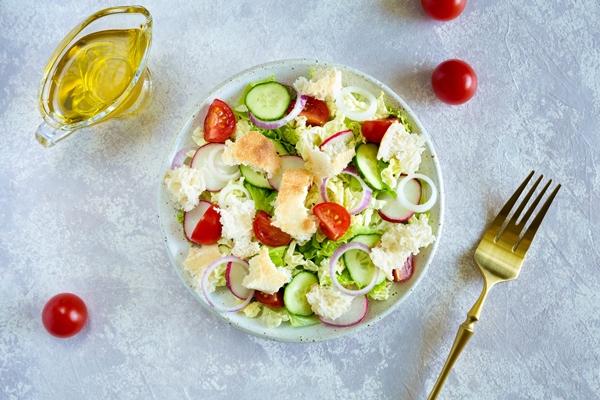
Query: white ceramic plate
x,y
230,91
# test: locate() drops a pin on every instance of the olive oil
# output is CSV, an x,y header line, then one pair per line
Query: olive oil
x,y
94,72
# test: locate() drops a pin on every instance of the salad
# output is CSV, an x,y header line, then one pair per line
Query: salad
x,y
302,202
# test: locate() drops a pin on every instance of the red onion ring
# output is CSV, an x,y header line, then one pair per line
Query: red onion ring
x,y
211,267
332,268
180,157
367,192
297,109
419,208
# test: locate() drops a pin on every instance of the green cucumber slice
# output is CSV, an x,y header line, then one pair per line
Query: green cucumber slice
x,y
366,163
294,296
255,178
268,101
359,264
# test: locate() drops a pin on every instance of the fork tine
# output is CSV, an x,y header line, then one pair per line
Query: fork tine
x,y
526,200
523,245
496,225
534,205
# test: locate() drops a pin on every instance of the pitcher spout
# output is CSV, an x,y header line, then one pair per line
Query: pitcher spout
x,y
48,136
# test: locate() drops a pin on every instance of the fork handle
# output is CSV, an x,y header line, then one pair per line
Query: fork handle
x,y
465,331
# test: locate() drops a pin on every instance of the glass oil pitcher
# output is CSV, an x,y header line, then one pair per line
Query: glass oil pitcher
x,y
98,72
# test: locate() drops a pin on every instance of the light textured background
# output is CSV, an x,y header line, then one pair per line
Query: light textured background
x,y
82,216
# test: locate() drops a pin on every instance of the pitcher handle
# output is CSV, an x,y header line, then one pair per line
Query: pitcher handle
x,y
49,136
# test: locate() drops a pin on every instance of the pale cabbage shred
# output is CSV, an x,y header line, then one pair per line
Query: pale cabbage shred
x,y
338,191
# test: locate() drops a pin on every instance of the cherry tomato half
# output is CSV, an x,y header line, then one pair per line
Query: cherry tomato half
x,y
268,234
443,10
315,111
219,123
209,228
64,315
454,82
334,219
374,130
272,300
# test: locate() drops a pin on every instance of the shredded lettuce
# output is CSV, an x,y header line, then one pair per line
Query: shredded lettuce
x,y
381,291
272,318
293,258
382,110
298,320
252,309
277,255
263,198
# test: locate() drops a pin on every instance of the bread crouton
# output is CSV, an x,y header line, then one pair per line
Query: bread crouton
x,y
255,151
291,216
264,275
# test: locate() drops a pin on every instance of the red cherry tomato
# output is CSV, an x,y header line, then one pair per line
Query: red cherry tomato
x,y
219,123
268,234
334,219
374,130
208,230
443,10
315,111
454,82
272,300
64,315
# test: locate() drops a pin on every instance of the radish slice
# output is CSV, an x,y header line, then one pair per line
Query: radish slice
x,y
352,316
234,274
287,162
332,268
367,192
214,182
393,210
294,112
192,217
340,137
404,273
204,284
353,115
219,168
402,198
180,157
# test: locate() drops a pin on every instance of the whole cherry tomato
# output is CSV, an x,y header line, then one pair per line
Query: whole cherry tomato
x,y
454,82
219,123
443,10
64,315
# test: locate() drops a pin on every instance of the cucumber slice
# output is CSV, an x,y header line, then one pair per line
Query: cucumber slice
x,y
294,296
255,178
268,101
359,264
366,162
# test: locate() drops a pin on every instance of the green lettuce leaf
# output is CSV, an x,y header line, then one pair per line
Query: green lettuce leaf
x,y
262,197
277,255
297,320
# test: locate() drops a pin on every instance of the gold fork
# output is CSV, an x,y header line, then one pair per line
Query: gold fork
x,y
499,256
